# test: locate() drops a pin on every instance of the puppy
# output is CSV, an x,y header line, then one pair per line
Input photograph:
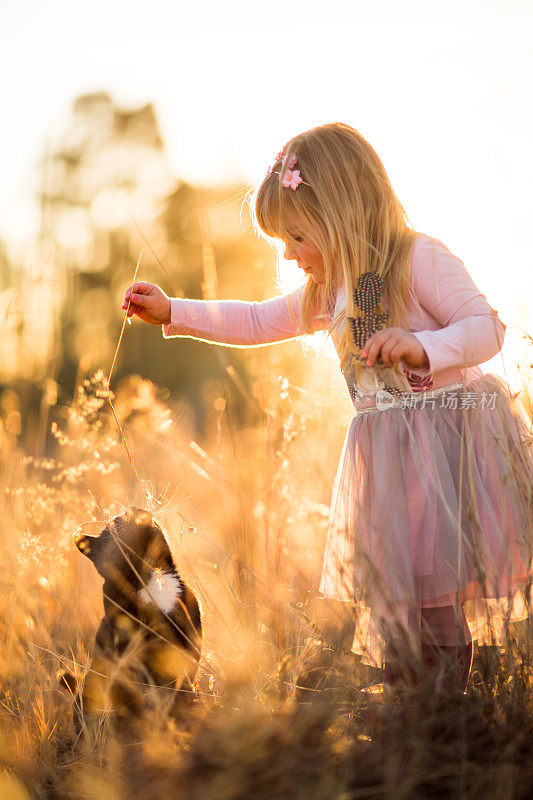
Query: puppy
x,y
150,635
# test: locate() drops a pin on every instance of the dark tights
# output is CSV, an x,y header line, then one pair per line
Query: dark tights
x,y
448,665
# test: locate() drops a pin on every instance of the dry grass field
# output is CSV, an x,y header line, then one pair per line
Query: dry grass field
x,y
278,710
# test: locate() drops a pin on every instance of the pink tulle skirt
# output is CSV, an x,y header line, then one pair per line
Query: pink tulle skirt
x,y
432,507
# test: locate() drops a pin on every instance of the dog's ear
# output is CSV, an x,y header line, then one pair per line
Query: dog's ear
x,y
137,516
86,544
67,681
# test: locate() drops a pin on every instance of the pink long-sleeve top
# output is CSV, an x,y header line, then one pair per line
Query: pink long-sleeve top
x,y
447,313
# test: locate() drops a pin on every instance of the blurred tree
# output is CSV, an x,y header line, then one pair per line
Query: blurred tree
x,y
108,191
6,272
107,168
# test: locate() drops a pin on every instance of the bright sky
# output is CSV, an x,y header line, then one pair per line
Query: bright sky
x,y
440,88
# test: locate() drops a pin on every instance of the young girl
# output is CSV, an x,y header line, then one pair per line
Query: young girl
x,y
431,515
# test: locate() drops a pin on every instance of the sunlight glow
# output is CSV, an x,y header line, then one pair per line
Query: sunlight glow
x,y
455,143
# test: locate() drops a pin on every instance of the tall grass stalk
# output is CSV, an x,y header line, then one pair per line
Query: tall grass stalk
x,y
281,707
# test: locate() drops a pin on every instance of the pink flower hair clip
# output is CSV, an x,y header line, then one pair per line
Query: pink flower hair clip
x,y
292,177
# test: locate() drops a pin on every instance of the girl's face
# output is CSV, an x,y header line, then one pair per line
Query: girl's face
x,y
305,252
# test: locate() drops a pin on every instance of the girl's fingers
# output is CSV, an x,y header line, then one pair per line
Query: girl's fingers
x,y
132,308
397,353
143,288
138,288
392,350
140,300
373,347
390,345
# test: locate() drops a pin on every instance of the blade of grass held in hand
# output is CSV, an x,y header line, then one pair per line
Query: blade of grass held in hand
x,y
124,323
111,372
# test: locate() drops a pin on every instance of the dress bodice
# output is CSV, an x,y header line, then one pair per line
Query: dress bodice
x,y
368,385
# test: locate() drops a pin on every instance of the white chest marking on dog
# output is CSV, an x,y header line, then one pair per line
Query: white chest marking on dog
x,y
163,589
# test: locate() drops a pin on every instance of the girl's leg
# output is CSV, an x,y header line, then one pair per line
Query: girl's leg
x,y
446,650
447,645
453,662
401,665
393,674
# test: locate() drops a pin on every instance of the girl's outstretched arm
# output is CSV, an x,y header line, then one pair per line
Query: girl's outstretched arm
x,y
472,332
230,322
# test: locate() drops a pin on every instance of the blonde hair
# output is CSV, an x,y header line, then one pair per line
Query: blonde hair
x,y
347,207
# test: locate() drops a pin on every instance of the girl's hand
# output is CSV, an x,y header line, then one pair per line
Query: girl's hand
x,y
393,345
148,302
